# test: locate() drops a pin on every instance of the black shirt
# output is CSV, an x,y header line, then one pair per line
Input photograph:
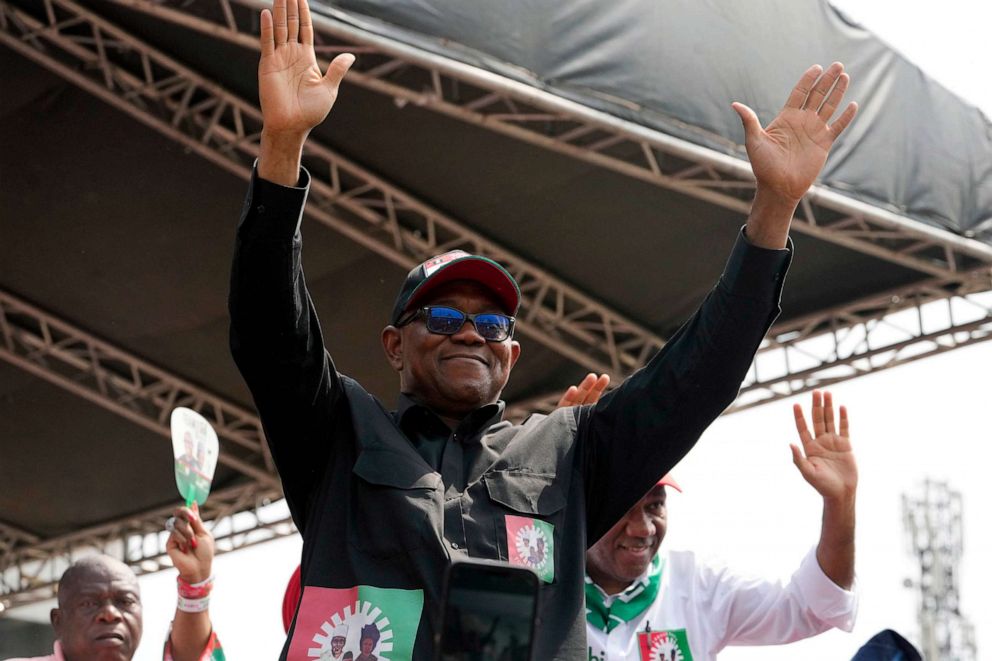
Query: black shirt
x,y
386,500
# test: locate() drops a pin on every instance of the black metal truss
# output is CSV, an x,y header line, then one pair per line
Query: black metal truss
x,y
475,96
868,335
238,517
89,51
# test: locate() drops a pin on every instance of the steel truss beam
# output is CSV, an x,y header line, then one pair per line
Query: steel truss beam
x,y
64,355
122,383
92,53
30,568
868,335
874,333
481,98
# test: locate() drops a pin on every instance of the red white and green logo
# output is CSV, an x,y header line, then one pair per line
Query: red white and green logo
x,y
531,544
363,620
664,645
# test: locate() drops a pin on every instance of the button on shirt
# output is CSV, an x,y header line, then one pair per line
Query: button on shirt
x,y
386,500
708,608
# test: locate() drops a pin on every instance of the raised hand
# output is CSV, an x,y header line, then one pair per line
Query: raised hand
x,y
788,154
193,559
295,96
589,390
828,464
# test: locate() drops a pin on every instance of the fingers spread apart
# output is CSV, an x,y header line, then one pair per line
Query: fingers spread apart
x,y
822,92
822,87
338,68
801,427
797,98
844,120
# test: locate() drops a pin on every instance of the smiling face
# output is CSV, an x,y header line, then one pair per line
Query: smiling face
x,y
452,375
99,613
367,645
624,553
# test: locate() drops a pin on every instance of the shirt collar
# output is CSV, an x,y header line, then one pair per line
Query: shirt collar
x,y
634,585
475,423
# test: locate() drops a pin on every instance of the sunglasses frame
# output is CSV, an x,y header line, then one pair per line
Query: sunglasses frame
x,y
424,313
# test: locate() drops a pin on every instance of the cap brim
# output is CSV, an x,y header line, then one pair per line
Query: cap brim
x,y
473,268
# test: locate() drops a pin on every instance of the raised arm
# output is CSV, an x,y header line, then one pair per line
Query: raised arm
x,y
275,336
294,95
820,595
827,463
191,548
640,430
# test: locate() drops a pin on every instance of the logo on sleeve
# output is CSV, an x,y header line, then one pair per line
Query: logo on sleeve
x,y
363,622
531,544
664,645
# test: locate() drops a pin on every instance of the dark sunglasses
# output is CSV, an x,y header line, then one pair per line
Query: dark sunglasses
x,y
442,320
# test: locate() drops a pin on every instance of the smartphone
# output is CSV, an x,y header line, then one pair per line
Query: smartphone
x,y
488,612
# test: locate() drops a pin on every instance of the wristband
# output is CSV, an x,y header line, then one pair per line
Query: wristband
x,y
194,590
193,605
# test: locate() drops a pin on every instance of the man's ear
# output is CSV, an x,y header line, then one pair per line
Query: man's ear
x,y
514,352
392,344
56,618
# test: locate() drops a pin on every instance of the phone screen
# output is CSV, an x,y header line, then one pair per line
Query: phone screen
x,y
488,613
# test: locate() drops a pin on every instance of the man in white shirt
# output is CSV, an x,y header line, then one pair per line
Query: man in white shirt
x,y
642,605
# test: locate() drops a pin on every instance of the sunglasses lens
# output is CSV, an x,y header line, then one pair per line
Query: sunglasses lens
x,y
493,327
446,321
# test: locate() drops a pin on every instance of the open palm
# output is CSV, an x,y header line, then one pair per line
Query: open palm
x,y
828,464
788,154
293,93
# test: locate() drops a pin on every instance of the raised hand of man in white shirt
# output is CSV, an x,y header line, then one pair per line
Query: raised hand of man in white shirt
x,y
827,463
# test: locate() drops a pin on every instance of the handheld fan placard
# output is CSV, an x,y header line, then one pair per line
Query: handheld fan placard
x,y
194,446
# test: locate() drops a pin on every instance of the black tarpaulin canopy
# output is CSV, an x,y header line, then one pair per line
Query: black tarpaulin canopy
x,y
675,66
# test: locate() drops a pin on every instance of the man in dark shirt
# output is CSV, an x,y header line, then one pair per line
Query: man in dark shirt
x,y
385,501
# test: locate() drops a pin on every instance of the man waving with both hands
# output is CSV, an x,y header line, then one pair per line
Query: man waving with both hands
x,y
387,499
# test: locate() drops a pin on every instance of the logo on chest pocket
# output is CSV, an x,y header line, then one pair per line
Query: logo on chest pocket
x,y
531,543
664,645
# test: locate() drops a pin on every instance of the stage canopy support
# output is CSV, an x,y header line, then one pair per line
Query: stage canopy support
x,y
124,384
865,336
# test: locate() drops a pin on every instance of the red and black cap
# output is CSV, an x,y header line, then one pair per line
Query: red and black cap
x,y
451,266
